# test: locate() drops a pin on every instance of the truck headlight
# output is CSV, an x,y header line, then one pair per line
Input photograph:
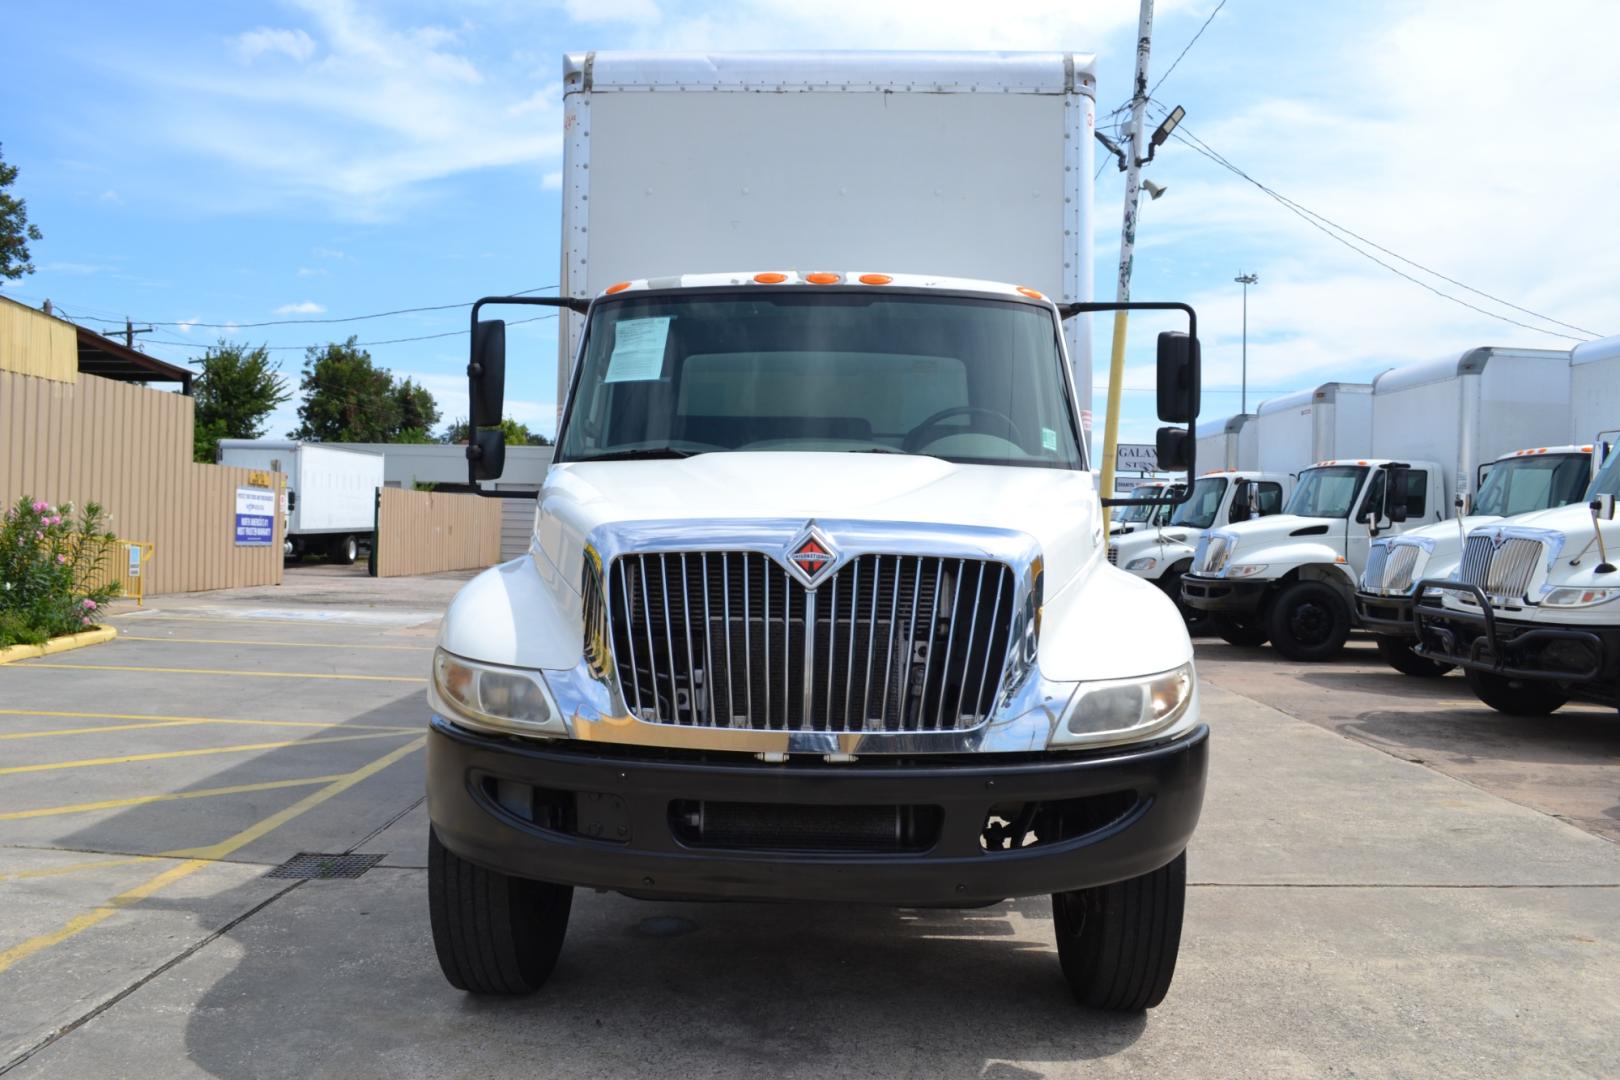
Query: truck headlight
x,y
1143,563
1245,569
502,698
1106,711
1579,596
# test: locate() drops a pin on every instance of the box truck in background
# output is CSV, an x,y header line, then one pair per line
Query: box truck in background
x,y
330,497
1331,421
1232,443
817,606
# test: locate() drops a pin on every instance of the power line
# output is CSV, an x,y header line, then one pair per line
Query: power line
x,y
358,344
301,322
1332,229
1188,46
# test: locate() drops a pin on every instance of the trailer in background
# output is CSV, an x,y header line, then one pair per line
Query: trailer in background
x,y
1232,443
1332,421
330,496
1594,391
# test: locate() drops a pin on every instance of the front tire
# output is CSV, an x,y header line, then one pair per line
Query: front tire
x,y
1515,697
1397,653
344,550
1118,943
1310,621
1243,634
494,933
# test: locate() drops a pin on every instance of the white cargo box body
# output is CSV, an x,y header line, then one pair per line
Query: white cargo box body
x,y
1467,410
952,164
331,490
1594,374
1332,421
1231,443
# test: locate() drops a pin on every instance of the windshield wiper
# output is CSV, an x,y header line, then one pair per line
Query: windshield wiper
x,y
654,453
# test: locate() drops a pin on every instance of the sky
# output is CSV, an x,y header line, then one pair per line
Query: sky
x,y
254,162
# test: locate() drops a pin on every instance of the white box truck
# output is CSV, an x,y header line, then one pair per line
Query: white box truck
x,y
1330,421
1594,391
330,495
1292,579
1231,443
817,607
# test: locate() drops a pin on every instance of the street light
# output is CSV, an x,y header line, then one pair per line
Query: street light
x,y
1246,280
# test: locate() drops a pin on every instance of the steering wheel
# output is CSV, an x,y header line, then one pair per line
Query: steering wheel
x,y
923,433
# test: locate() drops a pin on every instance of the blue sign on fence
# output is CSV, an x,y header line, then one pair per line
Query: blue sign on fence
x,y
255,517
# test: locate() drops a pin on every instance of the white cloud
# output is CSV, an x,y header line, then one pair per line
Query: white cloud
x,y
328,253
306,307
552,181
111,196
290,43
185,325
313,271
450,392
598,11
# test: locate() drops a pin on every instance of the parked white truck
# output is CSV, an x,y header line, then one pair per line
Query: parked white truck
x,y
1163,553
1530,612
1331,421
817,606
1292,579
1144,515
330,497
1232,443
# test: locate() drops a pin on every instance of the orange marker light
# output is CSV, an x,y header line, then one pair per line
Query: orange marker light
x,y
1031,293
770,278
821,277
875,279
620,287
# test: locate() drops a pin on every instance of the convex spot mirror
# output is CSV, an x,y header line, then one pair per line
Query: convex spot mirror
x,y
1174,449
487,453
1178,382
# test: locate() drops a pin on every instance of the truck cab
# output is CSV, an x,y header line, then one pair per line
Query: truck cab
x,y
1223,497
1532,612
1517,483
1131,519
1291,578
813,611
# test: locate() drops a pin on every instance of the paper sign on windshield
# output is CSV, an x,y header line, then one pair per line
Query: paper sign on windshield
x,y
638,349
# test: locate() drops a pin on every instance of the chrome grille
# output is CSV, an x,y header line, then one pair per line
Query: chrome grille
x,y
1503,570
731,639
1211,555
1389,568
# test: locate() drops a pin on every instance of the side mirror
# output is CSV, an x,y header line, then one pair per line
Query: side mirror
x,y
292,500
1174,447
1396,478
486,371
1179,379
1464,503
487,453
1242,508
1603,507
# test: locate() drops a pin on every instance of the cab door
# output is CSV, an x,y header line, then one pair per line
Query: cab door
x,y
1362,524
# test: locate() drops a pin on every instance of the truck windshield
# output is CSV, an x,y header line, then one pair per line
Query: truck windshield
x,y
1607,481
1199,511
1520,485
1328,492
1136,514
969,380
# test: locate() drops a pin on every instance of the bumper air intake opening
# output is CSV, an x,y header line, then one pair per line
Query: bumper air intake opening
x,y
1011,826
743,826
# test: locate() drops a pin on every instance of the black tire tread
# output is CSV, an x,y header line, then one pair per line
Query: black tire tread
x,y
1277,623
494,934
1123,955
1526,699
1397,653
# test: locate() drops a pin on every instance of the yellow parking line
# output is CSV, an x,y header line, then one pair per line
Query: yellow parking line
x,y
276,644
149,614
165,755
74,868
140,800
201,857
226,671
181,720
93,730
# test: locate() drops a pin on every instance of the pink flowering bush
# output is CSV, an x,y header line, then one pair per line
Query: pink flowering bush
x,y
52,570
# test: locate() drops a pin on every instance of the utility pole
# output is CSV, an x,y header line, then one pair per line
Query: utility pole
x,y
130,330
1127,244
1246,280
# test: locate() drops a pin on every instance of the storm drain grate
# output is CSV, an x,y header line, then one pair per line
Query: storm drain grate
x,y
313,865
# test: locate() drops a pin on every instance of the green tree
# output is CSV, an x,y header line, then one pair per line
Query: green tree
x,y
348,398
15,231
236,390
517,434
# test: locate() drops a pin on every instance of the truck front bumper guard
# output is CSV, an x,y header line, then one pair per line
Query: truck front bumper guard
x,y
1220,596
1385,615
634,820
1481,642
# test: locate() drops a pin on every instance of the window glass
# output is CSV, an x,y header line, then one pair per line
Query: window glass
x,y
1199,511
1270,498
1415,493
1520,485
1327,492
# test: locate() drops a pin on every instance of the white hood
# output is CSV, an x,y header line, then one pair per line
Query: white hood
x,y
1057,507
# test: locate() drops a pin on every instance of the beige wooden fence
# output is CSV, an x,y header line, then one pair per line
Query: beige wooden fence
x,y
129,449
424,532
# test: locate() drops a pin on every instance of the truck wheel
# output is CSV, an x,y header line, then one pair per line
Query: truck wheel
x,y
495,934
1516,697
1309,621
1229,630
344,550
1397,653
1118,943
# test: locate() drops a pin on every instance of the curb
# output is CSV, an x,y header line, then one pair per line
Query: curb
x,y
57,644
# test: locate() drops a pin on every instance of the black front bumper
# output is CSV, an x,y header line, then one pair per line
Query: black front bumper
x,y
1389,616
1218,596
619,829
1586,660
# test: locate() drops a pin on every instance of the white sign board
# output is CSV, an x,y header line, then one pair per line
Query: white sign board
x,y
134,560
255,517
1136,457
1123,485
